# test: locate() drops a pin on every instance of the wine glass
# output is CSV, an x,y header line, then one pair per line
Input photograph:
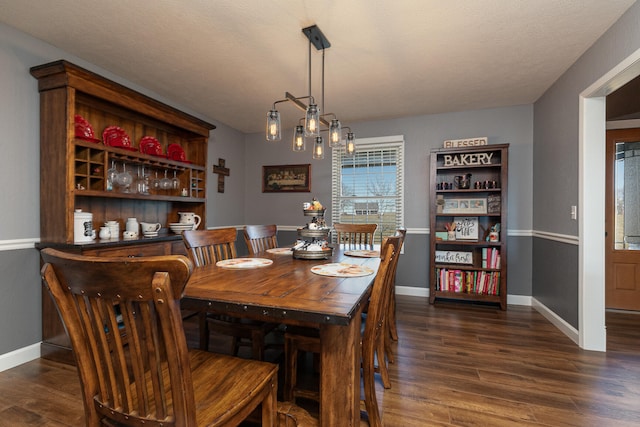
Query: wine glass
x,y
142,182
165,183
175,182
124,179
155,182
112,174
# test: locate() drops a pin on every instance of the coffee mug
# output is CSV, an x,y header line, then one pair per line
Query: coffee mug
x,y
150,227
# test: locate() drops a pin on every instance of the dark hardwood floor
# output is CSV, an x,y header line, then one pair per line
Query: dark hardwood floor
x,y
455,366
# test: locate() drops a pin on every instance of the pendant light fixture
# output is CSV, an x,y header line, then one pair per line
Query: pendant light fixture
x,y
298,139
314,121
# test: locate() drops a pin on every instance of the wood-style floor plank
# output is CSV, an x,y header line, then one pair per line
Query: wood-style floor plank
x,y
456,365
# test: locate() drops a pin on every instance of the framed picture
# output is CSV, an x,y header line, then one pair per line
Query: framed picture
x,y
467,228
465,206
286,178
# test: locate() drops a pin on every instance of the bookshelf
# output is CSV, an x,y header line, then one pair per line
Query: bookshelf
x,y
468,224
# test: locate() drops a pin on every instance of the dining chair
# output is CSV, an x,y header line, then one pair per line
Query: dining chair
x,y
393,328
385,352
259,238
308,339
208,247
124,323
355,234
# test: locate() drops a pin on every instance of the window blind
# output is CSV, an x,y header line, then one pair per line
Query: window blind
x,y
369,187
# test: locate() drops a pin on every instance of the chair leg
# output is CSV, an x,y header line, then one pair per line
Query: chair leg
x,y
235,346
270,406
393,327
382,361
290,369
204,331
370,400
388,351
257,345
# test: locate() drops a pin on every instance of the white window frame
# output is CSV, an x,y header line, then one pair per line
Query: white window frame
x,y
363,144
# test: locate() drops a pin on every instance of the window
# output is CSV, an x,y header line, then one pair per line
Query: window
x,y
368,187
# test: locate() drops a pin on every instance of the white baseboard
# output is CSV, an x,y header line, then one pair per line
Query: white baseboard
x,y
412,291
557,321
19,356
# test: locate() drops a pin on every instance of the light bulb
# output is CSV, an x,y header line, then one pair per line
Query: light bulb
x,y
298,139
350,148
318,148
273,126
335,133
312,118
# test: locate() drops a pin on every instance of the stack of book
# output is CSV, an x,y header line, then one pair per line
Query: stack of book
x,y
490,258
468,281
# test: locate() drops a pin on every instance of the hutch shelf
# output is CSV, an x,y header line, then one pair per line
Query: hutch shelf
x,y
75,171
468,224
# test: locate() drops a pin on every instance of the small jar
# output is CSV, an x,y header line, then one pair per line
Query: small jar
x,y
132,225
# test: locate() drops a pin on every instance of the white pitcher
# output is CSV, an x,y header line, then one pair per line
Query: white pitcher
x,y
190,218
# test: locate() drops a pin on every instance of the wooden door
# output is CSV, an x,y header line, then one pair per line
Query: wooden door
x,y
622,220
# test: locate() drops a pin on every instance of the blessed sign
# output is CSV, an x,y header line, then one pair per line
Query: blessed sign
x,y
469,142
468,159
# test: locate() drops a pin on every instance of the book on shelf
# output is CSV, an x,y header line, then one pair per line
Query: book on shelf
x,y
490,258
470,282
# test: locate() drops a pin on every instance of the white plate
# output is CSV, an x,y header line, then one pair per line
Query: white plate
x,y
243,263
341,270
185,227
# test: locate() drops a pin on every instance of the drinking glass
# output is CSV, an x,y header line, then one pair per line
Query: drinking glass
x,y
165,183
155,182
124,179
112,174
175,182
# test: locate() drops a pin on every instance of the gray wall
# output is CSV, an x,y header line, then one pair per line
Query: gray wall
x,y
556,163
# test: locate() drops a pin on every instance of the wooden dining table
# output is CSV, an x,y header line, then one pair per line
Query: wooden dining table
x,y
288,292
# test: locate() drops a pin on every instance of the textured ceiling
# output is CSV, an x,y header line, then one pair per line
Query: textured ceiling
x,y
230,60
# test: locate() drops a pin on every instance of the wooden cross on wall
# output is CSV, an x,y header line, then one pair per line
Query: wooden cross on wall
x,y
222,172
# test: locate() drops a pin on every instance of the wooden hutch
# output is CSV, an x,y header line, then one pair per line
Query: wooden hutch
x,y
73,172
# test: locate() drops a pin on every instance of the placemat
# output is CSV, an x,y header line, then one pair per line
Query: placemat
x,y
363,253
241,263
341,270
280,251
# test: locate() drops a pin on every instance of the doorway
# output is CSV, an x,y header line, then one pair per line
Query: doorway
x,y
591,259
622,220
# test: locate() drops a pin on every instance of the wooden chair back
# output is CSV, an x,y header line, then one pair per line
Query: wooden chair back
x,y
123,319
355,234
259,238
210,246
400,233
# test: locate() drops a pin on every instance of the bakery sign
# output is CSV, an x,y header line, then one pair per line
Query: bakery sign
x,y
467,159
